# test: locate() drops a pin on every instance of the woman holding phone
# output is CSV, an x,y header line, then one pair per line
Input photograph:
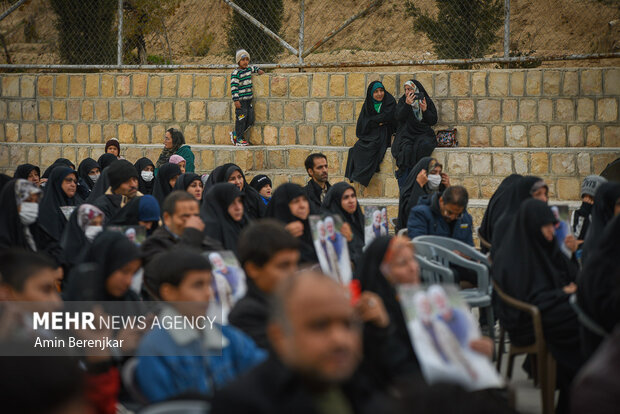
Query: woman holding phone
x,y
415,139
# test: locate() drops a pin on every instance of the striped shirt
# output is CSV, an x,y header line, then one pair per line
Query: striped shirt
x,y
241,83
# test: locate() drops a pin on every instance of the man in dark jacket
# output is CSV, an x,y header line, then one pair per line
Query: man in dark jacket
x,y
317,187
182,226
444,215
268,254
123,179
317,343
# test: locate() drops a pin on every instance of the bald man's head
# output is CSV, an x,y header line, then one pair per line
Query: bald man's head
x,y
314,329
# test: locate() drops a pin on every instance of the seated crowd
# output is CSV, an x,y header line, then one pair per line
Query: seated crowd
x,y
296,341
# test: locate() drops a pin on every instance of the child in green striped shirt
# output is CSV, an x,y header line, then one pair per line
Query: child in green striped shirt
x,y
241,91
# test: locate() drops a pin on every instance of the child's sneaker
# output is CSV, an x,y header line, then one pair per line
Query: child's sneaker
x,y
233,137
241,143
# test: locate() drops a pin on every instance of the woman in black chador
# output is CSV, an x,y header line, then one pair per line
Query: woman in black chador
x,y
374,133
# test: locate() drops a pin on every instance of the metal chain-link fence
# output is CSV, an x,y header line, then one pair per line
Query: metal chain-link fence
x,y
291,33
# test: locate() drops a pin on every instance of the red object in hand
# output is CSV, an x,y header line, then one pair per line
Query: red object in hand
x,y
355,288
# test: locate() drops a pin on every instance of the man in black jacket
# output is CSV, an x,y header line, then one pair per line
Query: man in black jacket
x,y
268,254
317,187
317,342
123,179
182,226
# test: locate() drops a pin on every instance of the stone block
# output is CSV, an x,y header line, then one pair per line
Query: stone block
x,y
575,136
498,135
11,132
521,163
441,84
81,133
320,135
591,82
68,133
186,83
169,86
197,111
10,85
87,111
180,111
218,111
538,136
337,85
345,111
498,84
45,85
33,155
288,135
207,160
27,86
73,110
607,110
109,131
279,86
528,110
297,157
95,135
585,109
270,135
564,110
41,133
306,135
275,111
551,82
154,86
488,110
328,111
563,164
275,159
509,110
59,110
92,85
389,81
219,87
132,110
349,136
143,134
612,136
446,110
126,133
425,78
26,133
356,85
260,85
611,82
539,163
53,132
140,84
319,85
201,86
223,157
15,111
101,110
557,136
312,111
465,110
533,81
336,136
516,136
478,84
49,155
593,136
479,136
583,163
457,163
568,188
517,83
61,88
190,132
76,85
293,111
299,85
107,86
205,135
260,111
502,164
570,83
221,135
600,161
459,83
481,164
163,111
116,113
545,110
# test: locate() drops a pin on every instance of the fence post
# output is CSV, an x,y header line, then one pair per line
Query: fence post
x,y
119,39
506,29
301,32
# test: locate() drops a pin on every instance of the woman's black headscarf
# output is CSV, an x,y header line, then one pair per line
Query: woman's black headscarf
x,y
85,166
60,162
143,186
529,268
106,159
333,204
402,360
374,133
497,206
4,180
51,218
178,140
23,171
109,252
279,209
11,227
411,191
602,212
254,206
214,212
184,181
599,285
162,187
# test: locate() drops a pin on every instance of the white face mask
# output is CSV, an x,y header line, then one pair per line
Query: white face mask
x,y
433,181
147,176
94,177
28,213
92,231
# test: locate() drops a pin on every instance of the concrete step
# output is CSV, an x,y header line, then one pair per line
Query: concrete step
x,y
480,170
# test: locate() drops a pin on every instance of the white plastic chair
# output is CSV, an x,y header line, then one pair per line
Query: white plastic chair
x,y
453,244
178,407
432,273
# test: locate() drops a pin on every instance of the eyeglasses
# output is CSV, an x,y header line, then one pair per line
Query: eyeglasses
x,y
454,216
70,180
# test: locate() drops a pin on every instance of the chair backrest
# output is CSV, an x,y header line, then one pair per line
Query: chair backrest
x,y
402,232
453,244
530,309
432,273
178,407
585,319
128,371
446,257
